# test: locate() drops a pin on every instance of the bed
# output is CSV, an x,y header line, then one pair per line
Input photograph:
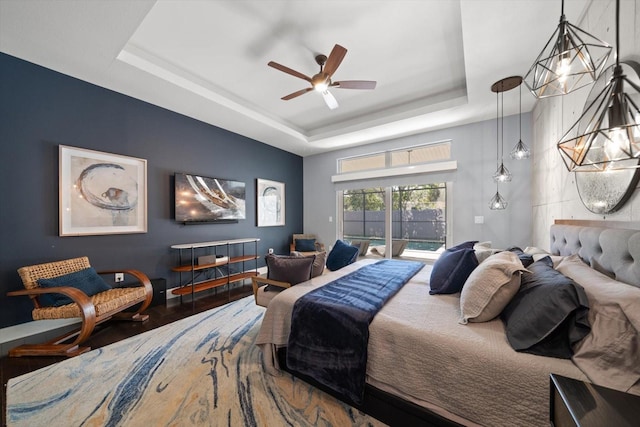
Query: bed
x,y
425,367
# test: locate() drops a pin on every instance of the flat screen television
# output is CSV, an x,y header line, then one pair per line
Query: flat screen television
x,y
203,199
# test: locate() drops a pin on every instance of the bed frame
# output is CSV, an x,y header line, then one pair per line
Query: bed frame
x,y
613,246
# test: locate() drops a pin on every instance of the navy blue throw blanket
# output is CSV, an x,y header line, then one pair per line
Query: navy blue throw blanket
x,y
330,325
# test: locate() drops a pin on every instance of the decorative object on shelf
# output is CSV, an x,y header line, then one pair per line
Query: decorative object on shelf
x,y
520,151
270,203
571,59
101,193
606,137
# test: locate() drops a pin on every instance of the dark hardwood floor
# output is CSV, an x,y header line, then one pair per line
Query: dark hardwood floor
x,y
114,331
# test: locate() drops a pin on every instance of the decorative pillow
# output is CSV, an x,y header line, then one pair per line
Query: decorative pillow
x,y
452,269
525,258
305,245
87,280
609,354
548,315
464,245
318,264
490,287
290,269
341,255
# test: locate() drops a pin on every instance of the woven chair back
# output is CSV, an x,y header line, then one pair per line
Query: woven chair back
x,y
49,270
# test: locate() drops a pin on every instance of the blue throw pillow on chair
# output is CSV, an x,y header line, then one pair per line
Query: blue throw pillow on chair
x,y
305,245
87,280
341,255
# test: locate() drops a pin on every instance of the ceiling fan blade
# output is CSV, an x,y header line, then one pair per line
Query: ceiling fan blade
x,y
354,84
330,100
289,71
296,94
334,60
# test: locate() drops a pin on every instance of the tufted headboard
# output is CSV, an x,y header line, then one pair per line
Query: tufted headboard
x,y
613,251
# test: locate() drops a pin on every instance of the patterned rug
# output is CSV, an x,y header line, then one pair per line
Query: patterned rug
x,y
201,370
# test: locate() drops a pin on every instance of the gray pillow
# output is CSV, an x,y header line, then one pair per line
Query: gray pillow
x,y
609,354
290,269
318,264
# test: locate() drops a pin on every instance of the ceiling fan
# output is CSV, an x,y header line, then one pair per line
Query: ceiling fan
x,y
321,82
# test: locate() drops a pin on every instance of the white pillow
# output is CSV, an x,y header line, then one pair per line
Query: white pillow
x,y
483,250
490,287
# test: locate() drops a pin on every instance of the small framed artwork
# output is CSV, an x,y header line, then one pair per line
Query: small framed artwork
x,y
270,203
101,193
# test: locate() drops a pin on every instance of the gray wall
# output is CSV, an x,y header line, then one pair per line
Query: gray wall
x,y
474,148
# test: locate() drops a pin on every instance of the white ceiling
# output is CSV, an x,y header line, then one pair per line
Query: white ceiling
x,y
434,60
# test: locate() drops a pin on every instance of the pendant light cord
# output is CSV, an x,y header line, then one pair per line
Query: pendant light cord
x,y
520,87
502,131
497,126
617,32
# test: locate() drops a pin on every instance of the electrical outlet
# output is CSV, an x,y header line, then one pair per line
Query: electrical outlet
x,y
119,277
270,250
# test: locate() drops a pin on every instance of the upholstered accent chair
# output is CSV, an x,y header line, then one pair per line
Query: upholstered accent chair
x,y
73,289
306,244
283,271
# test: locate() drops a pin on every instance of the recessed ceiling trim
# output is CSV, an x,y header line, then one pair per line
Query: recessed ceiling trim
x,y
146,62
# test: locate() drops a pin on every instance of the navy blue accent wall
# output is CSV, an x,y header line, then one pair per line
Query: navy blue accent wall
x,y
41,109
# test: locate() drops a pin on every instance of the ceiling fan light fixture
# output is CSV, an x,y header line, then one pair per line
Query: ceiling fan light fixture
x,y
320,82
571,59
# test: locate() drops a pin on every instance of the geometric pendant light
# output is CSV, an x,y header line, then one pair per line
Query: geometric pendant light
x,y
607,134
520,151
571,59
502,174
498,202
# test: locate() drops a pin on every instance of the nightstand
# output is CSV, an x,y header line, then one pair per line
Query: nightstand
x,y
579,404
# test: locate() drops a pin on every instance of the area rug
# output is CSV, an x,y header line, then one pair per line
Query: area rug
x,y
201,370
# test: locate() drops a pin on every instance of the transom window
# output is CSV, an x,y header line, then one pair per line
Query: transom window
x,y
419,154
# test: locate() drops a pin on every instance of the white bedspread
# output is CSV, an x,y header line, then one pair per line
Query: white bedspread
x,y
418,351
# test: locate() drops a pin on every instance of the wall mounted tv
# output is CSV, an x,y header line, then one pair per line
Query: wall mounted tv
x,y
202,199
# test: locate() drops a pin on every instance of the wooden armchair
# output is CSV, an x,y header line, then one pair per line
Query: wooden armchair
x,y
264,294
92,310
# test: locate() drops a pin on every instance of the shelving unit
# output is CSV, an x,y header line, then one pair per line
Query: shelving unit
x,y
234,254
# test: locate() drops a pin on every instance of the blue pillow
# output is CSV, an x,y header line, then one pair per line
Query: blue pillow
x,y
87,280
305,245
341,255
464,245
451,270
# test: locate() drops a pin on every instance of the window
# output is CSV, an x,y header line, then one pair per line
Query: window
x,y
420,154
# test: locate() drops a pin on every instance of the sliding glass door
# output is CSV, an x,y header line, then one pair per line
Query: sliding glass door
x,y
417,213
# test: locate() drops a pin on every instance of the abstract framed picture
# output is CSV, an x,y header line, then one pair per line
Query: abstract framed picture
x,y
101,193
270,203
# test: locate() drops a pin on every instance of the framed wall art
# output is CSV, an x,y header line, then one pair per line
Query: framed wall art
x,y
270,203
101,193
